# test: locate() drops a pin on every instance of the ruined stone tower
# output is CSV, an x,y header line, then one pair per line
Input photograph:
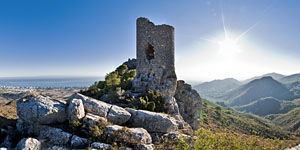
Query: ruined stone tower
x,y
156,71
155,59
155,46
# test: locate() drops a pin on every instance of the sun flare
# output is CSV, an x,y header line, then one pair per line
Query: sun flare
x,y
229,47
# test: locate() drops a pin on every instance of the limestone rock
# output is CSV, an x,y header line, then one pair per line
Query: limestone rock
x,y
118,115
92,119
78,142
128,135
190,103
41,110
93,106
102,146
151,121
75,110
29,144
145,147
55,136
294,148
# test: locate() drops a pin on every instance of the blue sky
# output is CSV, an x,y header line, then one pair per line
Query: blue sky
x,y
91,38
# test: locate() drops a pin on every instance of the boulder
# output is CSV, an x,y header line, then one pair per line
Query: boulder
x,y
102,146
55,136
41,110
29,144
151,121
128,135
75,110
78,142
144,147
93,106
92,119
118,115
189,102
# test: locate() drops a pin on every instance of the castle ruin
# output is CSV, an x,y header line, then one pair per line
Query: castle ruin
x,y
156,71
155,60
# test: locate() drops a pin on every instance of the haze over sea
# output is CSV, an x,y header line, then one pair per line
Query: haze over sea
x,y
45,82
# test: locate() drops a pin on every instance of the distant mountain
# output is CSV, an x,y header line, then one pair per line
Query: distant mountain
x,y
274,75
292,82
257,89
217,88
290,79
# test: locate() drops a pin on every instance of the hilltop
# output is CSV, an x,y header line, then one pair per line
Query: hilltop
x,y
256,89
217,88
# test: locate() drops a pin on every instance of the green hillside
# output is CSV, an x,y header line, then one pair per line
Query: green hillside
x,y
269,105
262,106
289,121
217,118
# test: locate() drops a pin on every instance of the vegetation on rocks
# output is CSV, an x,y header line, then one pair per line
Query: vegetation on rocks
x,y
113,90
120,78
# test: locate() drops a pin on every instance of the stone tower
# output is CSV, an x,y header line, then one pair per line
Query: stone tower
x,y
155,60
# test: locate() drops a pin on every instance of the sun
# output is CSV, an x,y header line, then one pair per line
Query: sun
x,y
228,47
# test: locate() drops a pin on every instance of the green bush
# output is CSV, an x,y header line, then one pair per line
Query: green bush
x,y
226,140
121,80
96,131
122,69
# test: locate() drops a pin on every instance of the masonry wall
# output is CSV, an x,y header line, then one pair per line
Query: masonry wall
x,y
158,37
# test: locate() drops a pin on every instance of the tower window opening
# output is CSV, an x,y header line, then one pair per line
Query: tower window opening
x,y
149,51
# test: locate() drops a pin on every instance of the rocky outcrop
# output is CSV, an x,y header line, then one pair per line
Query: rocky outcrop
x,y
75,110
151,121
29,144
114,114
128,135
118,115
145,147
55,136
102,146
190,103
78,142
41,110
294,148
91,119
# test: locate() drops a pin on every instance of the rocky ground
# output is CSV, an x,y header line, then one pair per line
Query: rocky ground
x,y
42,120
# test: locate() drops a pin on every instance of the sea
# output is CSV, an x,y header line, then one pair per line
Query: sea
x,y
53,82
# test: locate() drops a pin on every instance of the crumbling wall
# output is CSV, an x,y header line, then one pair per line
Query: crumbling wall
x,y
156,70
155,60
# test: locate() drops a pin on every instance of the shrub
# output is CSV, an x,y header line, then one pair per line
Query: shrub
x,y
122,69
218,108
96,131
112,80
226,140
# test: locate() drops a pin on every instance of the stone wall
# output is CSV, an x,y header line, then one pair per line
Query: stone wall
x,y
155,60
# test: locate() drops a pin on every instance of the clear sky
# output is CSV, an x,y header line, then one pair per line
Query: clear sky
x,y
91,37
